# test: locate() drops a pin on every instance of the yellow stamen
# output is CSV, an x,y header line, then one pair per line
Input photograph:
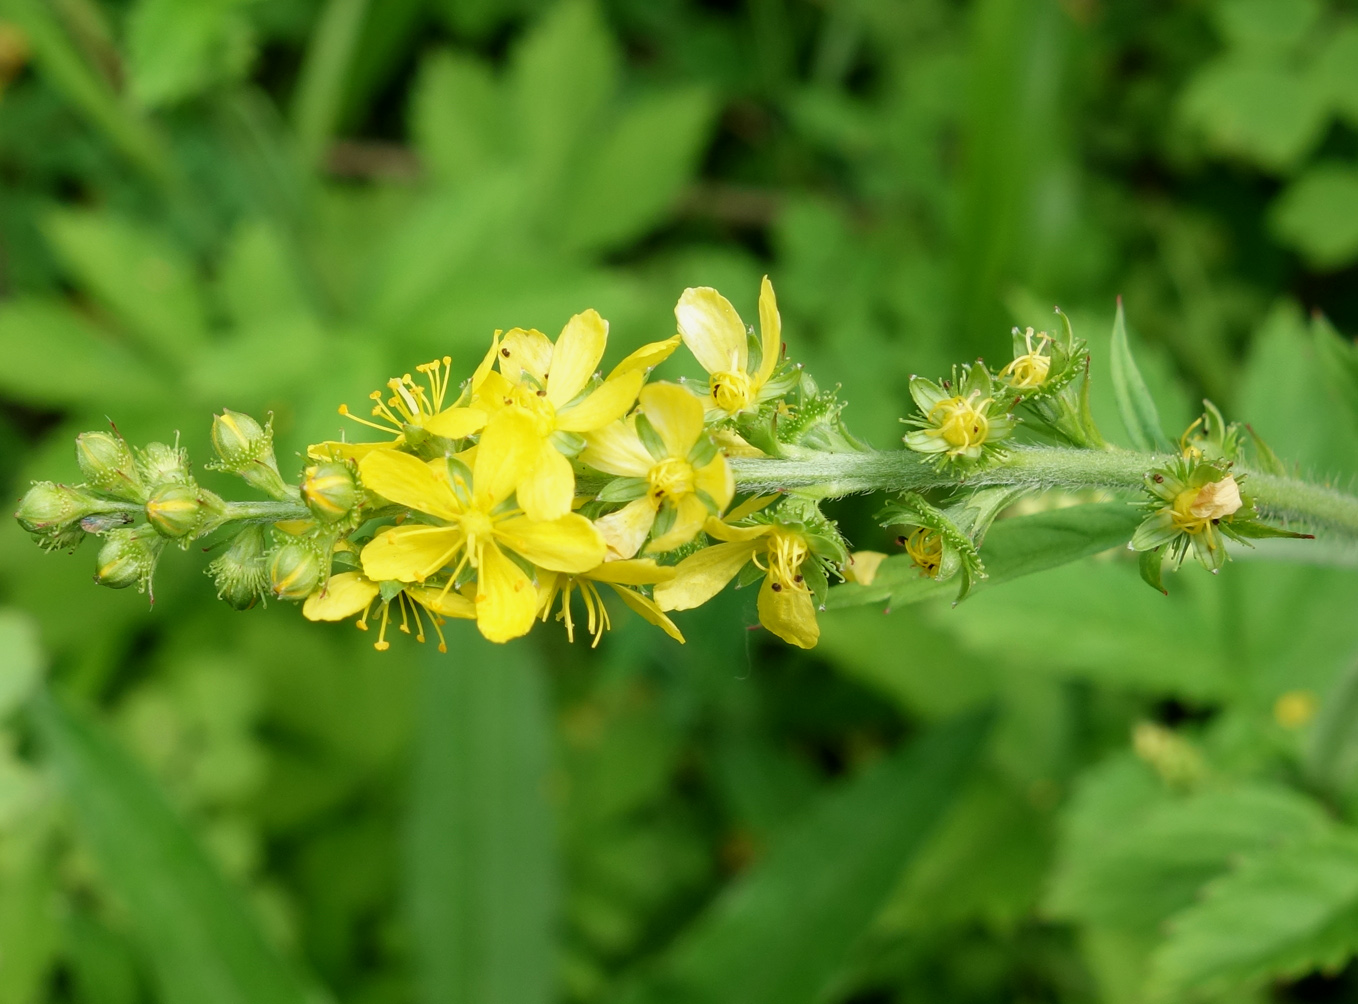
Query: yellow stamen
x,y
925,548
961,421
382,644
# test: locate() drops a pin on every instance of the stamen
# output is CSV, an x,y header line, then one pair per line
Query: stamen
x,y
382,644
405,621
344,410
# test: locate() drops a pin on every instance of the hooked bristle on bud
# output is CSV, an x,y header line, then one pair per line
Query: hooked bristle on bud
x,y
128,558
161,464
245,448
331,491
242,572
295,571
109,466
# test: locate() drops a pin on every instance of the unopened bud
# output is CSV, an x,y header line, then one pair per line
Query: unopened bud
x,y
295,571
246,448
242,573
108,465
331,491
128,558
161,464
179,510
53,513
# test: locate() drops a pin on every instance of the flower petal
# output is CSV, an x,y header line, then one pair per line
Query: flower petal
x,y
716,479
506,602
676,414
335,450
723,530
625,531
576,356
483,370
506,453
790,613
525,351
408,481
704,574
569,544
648,609
712,330
608,402
444,602
617,449
770,332
687,522
862,567
648,356
633,572
549,488
456,423
410,553
343,595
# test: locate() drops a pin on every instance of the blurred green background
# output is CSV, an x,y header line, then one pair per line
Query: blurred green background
x,y
1067,789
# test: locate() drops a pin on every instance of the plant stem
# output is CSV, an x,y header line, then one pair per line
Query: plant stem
x,y
266,512
830,475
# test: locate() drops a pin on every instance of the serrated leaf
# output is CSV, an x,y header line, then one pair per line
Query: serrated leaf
x,y
780,933
200,938
1281,913
1135,404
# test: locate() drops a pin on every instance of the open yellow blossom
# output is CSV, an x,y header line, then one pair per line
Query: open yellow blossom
x,y
349,593
413,412
786,606
685,477
715,334
547,382
624,577
472,523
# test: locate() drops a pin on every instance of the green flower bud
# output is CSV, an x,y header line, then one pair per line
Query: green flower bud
x,y
177,510
246,448
295,571
128,558
108,465
331,491
160,464
52,514
242,572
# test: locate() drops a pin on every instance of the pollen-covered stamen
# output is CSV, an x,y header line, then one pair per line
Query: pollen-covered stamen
x,y
1029,371
925,548
671,478
787,552
961,421
732,390
382,644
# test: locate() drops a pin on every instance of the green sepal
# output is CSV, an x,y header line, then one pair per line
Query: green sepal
x,y
623,490
749,574
703,453
390,589
813,573
960,556
1149,564
650,439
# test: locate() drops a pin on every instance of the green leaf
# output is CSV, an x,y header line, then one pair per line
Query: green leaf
x,y
1265,26
1281,913
320,90
1135,404
202,942
21,660
780,934
1318,215
1149,565
634,175
176,48
29,928
1013,548
1333,68
142,279
481,885
457,117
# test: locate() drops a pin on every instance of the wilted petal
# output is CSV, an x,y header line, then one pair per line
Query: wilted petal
x,y
625,531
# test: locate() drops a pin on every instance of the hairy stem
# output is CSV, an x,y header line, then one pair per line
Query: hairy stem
x,y
830,475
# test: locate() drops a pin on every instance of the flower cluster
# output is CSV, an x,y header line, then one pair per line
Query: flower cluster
x,y
500,498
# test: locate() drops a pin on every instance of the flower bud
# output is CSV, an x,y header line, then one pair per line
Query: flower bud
x,y
295,571
161,464
246,448
128,558
242,573
53,513
331,491
108,465
176,510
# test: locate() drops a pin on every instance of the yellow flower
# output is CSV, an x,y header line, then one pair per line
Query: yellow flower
x,y
624,577
925,548
1029,370
715,334
684,474
413,411
547,382
350,593
473,523
786,606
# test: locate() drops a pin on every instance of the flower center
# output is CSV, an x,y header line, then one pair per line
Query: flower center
x,y
961,421
479,528
787,551
533,400
670,478
1027,371
1196,508
925,548
731,391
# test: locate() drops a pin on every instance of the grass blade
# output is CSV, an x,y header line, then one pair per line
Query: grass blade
x,y
202,943
481,868
779,935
